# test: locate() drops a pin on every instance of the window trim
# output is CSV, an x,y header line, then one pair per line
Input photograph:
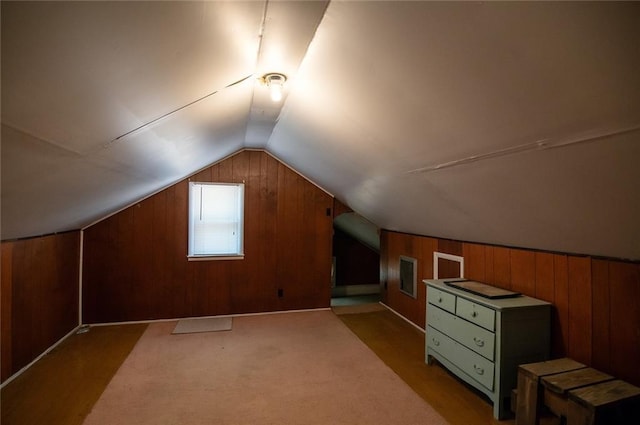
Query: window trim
x,y
214,257
441,255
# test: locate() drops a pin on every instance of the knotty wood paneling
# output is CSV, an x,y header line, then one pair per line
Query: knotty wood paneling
x,y
601,302
580,311
489,268
596,302
474,261
502,267
544,276
523,271
429,246
5,312
560,318
135,262
384,267
450,247
624,336
39,296
401,244
290,242
389,258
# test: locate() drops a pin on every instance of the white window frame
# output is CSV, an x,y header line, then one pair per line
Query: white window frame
x,y
193,211
441,255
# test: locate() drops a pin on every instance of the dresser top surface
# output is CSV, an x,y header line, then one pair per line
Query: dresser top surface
x,y
497,303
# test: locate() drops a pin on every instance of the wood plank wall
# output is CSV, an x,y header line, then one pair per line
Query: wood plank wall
x,y
39,296
596,313
135,262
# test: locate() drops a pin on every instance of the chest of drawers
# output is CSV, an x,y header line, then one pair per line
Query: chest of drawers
x,y
482,340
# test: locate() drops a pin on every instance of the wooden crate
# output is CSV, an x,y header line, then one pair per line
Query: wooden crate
x,y
612,403
530,390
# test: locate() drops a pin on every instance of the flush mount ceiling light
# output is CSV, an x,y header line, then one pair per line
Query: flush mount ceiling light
x,y
275,82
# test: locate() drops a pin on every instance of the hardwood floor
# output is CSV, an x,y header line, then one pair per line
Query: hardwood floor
x,y
63,386
401,347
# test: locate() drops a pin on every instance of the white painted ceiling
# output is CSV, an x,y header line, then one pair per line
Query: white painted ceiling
x,y
509,123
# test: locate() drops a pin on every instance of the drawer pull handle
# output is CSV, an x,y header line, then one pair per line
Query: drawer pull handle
x,y
474,314
435,342
479,342
479,370
440,299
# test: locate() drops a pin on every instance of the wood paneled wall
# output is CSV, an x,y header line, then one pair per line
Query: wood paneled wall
x,y
135,262
39,296
596,313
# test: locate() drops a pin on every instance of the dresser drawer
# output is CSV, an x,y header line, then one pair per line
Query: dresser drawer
x,y
441,320
442,299
441,343
474,337
476,313
474,365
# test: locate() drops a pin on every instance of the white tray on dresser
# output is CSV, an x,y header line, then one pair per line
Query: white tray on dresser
x,y
483,340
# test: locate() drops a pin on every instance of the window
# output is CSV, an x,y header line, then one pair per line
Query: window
x,y
447,265
216,216
408,275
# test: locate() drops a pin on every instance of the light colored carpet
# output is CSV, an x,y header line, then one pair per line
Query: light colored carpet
x,y
209,324
294,368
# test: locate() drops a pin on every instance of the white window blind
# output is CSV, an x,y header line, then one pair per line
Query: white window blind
x,y
215,219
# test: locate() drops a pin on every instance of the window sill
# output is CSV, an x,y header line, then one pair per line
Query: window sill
x,y
214,257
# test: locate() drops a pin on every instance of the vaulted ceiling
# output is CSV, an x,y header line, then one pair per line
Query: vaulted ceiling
x,y
509,123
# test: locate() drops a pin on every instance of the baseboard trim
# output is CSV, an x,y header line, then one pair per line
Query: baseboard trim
x,y
404,318
34,361
265,313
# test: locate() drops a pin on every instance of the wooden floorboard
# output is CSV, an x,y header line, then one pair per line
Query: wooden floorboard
x,y
63,386
401,346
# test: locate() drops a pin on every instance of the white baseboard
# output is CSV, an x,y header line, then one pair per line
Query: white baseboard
x,y
44,353
404,318
209,317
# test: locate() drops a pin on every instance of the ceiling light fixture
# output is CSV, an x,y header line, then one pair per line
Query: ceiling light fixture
x,y
275,82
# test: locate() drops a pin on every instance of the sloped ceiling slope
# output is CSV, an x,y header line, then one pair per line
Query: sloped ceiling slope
x,y
104,103
514,123
509,123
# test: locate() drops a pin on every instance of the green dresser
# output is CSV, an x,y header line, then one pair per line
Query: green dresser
x,y
483,340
